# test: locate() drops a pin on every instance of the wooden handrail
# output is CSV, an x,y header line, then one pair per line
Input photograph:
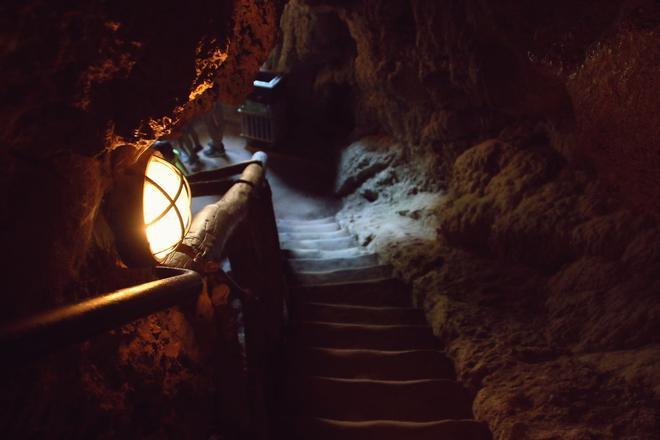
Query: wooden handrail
x,y
211,229
214,225
52,329
240,226
258,158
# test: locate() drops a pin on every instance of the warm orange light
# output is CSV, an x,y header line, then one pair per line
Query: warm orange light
x,y
166,206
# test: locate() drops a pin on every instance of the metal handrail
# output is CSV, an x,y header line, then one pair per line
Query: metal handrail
x,y
46,331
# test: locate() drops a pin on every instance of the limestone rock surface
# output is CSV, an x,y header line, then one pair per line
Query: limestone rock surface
x,y
525,273
502,161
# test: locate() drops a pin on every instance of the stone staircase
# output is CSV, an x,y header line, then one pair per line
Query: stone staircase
x,y
362,363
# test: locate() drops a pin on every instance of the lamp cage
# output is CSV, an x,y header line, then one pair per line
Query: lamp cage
x,y
149,210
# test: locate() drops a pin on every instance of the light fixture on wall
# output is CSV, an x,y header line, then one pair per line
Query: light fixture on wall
x,y
149,209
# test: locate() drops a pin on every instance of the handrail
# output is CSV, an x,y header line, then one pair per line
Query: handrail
x,y
240,226
54,328
212,187
230,170
214,225
51,329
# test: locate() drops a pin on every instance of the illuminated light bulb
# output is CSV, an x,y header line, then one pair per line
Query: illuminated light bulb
x,y
148,208
166,207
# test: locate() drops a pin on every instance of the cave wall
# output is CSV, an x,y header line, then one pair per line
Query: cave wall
x,y
316,53
79,80
502,159
441,75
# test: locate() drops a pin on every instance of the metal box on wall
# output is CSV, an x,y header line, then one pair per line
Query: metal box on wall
x,y
263,114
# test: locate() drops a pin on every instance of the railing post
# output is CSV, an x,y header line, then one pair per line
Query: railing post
x,y
255,257
262,221
234,406
275,298
244,260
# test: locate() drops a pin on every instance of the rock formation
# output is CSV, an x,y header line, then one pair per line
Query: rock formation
x,y
502,159
501,156
79,79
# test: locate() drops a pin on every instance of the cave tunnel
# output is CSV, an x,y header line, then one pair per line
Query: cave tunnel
x,y
310,219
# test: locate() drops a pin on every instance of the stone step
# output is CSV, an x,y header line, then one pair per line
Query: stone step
x,y
309,227
294,236
366,336
315,253
342,276
382,293
361,314
303,221
375,364
324,244
364,399
326,264
328,429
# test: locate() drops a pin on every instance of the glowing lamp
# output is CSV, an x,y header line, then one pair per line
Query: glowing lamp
x,y
149,210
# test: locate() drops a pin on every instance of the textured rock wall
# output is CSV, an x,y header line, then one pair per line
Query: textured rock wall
x,y
543,290
79,79
507,175
316,52
82,79
441,74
